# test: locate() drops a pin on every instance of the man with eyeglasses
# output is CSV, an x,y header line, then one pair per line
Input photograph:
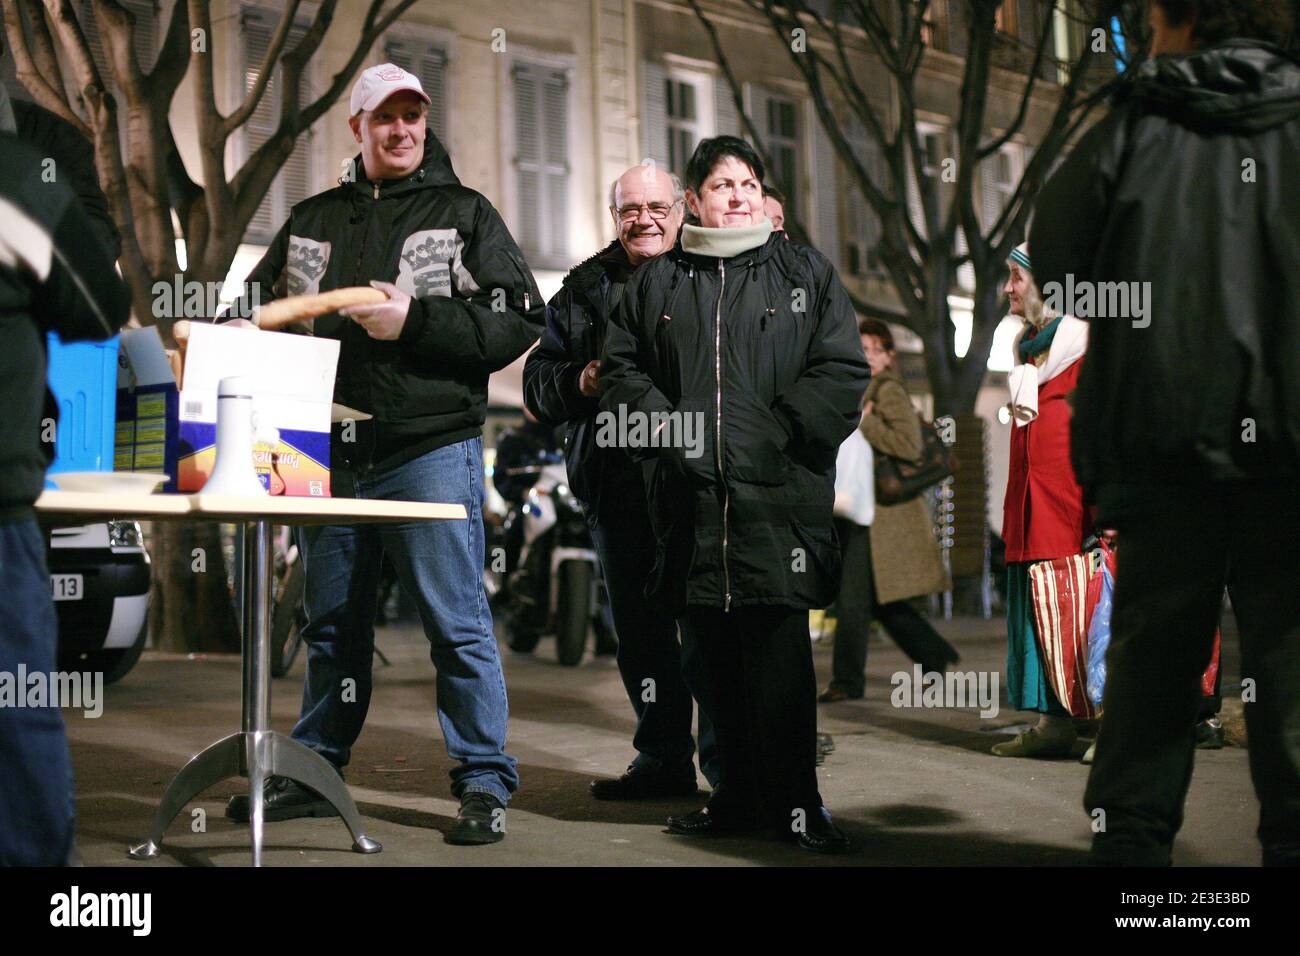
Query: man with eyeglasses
x,y
561,386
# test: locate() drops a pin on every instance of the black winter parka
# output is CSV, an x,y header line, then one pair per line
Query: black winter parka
x,y
1190,188
576,320
474,309
763,349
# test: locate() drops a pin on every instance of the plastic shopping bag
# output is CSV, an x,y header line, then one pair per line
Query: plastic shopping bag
x,y
1099,636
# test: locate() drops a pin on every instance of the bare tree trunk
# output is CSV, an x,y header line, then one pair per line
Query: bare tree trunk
x,y
192,606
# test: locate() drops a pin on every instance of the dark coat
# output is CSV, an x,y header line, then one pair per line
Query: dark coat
x,y
474,309
74,158
55,276
1161,192
763,347
576,320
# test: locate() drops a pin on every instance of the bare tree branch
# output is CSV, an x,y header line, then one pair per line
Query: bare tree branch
x,y
1023,110
38,70
173,58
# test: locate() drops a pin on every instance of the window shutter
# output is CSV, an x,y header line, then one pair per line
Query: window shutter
x,y
826,199
429,63
555,115
654,113
862,228
990,200
542,158
724,109
293,183
528,156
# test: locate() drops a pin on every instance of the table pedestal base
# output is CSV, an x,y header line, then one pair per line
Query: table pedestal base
x,y
255,755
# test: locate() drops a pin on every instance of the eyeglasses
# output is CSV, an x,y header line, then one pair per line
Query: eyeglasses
x,y
658,210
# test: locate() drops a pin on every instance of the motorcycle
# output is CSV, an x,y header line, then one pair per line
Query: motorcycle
x,y
551,580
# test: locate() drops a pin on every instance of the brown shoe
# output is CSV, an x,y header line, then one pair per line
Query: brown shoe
x,y
833,695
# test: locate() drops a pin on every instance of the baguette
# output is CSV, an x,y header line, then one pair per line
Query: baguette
x,y
298,308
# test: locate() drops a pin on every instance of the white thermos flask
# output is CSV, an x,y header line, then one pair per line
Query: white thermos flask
x,y
237,430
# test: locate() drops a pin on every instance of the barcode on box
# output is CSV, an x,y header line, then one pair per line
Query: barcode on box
x,y
192,409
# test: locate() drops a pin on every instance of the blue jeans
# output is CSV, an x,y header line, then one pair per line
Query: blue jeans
x,y
647,641
440,566
36,797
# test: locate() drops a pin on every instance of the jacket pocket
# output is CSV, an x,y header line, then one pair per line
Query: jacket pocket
x,y
755,443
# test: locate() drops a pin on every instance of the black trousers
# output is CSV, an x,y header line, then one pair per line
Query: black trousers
x,y
1176,553
758,662
856,607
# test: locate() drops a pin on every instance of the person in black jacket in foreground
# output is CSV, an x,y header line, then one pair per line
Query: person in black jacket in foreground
x,y
734,370
1186,428
462,304
54,276
561,384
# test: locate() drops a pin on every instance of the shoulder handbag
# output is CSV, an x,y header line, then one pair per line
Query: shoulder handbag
x,y
898,480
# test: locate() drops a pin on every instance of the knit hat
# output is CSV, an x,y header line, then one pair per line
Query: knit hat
x,y
1020,256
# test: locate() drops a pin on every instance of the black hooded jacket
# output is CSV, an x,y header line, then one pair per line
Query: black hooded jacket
x,y
55,276
474,309
763,347
1192,186
576,320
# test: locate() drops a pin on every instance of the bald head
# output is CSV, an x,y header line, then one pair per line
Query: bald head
x,y
646,203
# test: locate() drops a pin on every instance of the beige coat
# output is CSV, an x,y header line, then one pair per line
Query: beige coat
x,y
905,558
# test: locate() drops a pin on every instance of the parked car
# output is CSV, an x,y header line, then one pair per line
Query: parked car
x,y
99,578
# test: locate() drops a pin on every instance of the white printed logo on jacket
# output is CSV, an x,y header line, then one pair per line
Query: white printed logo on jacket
x,y
428,259
307,261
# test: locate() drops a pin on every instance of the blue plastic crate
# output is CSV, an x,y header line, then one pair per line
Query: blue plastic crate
x,y
83,378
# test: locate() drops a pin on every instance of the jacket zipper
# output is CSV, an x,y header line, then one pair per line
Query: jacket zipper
x,y
717,439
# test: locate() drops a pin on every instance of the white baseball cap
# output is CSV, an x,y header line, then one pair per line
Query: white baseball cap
x,y
380,82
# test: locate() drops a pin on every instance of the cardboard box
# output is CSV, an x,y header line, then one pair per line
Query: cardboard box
x,y
170,427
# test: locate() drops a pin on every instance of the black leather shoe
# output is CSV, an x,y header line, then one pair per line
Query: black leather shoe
x,y
282,799
822,836
640,783
482,819
702,823
1209,734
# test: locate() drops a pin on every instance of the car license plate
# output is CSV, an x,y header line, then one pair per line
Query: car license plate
x,y
67,587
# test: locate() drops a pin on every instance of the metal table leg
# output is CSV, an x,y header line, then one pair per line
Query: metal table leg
x,y
256,752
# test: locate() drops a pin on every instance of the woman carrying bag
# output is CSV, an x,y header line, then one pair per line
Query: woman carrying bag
x,y
1043,513
890,552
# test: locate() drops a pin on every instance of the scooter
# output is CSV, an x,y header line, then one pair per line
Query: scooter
x,y
554,582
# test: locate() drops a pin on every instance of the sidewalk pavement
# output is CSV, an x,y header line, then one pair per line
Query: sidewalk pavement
x,y
909,786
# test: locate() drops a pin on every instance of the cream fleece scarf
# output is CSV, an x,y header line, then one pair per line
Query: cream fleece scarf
x,y
724,243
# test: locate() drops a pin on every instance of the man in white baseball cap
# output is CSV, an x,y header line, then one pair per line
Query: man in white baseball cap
x,y
388,119
461,305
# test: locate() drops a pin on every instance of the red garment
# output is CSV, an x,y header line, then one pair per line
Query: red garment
x,y
1043,514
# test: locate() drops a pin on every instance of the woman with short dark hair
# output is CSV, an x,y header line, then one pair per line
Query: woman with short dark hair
x,y
752,339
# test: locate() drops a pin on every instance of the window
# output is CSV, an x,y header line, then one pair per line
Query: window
x,y
541,126
681,100
678,111
1005,18
428,61
781,129
257,25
